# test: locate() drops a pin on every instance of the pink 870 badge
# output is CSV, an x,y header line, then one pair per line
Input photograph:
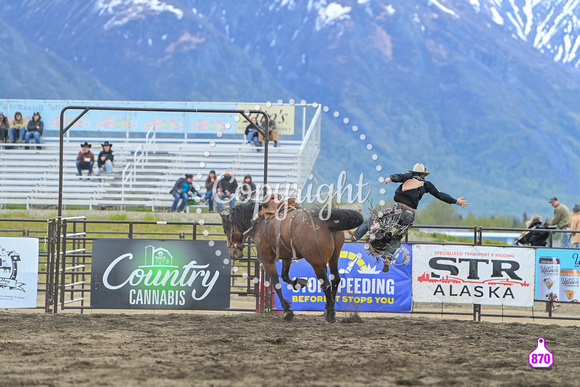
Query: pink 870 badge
x,y
541,357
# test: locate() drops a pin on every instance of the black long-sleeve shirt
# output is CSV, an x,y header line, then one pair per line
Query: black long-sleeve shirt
x,y
411,197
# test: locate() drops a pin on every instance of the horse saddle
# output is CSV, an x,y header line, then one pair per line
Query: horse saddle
x,y
271,204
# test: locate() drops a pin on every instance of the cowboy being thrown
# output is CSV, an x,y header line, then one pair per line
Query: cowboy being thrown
x,y
407,197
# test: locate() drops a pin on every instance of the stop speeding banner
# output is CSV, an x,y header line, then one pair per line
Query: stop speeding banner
x,y
363,285
160,274
473,274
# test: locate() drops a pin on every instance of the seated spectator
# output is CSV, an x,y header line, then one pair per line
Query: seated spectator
x,y
105,159
85,159
252,132
226,190
18,127
272,132
180,191
4,126
210,186
35,128
248,189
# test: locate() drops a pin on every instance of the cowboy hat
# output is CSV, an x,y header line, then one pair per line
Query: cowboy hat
x,y
419,168
106,143
85,145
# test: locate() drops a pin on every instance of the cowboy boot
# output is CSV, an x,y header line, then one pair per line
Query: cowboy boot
x,y
387,264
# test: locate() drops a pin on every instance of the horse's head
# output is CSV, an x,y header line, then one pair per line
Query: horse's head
x,y
236,237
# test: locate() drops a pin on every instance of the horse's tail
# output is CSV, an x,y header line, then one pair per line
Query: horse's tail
x,y
340,219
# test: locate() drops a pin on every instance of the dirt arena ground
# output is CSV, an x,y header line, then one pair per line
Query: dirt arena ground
x,y
244,349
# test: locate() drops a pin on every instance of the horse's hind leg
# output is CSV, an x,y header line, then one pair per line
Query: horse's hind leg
x,y
297,283
334,275
329,312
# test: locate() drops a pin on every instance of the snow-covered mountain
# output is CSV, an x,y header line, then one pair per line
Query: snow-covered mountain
x,y
482,91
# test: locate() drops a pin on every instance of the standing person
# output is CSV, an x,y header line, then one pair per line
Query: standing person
x,y
407,196
105,159
226,190
35,128
180,191
252,132
85,159
561,220
210,186
575,226
248,189
4,126
18,126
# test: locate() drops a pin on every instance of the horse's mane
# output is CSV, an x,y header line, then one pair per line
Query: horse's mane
x,y
241,215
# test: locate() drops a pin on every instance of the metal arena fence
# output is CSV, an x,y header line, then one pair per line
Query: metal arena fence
x,y
66,248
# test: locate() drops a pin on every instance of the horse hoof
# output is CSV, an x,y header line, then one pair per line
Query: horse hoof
x,y
330,316
302,282
288,316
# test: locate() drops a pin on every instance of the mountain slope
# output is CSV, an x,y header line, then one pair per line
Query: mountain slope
x,y
484,92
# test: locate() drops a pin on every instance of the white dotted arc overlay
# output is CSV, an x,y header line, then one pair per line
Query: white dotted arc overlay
x,y
336,114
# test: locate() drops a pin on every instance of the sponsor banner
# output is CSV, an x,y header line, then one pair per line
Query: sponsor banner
x,y
363,285
119,121
160,274
18,272
473,275
558,275
282,114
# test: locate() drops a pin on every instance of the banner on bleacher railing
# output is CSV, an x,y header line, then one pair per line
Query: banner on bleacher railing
x,y
363,285
283,115
122,121
160,274
473,274
18,272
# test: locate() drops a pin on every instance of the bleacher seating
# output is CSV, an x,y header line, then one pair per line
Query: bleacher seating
x,y
30,177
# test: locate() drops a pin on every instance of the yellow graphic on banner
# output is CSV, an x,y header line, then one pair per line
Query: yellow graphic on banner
x,y
283,115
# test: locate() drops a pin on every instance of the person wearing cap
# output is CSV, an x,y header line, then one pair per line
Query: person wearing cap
x,y
575,226
18,126
35,129
180,191
4,126
272,132
85,159
226,190
105,159
561,220
407,196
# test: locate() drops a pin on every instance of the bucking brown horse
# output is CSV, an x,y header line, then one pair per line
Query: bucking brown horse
x,y
293,233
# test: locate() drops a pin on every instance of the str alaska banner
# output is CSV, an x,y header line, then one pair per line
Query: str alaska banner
x,y
363,285
19,272
473,275
160,274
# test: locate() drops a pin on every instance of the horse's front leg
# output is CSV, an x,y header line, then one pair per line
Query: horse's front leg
x,y
270,267
297,283
329,311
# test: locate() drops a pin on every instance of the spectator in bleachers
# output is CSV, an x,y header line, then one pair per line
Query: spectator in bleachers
x,y
272,132
252,132
4,126
180,191
210,185
18,127
248,189
226,190
35,128
105,159
85,159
